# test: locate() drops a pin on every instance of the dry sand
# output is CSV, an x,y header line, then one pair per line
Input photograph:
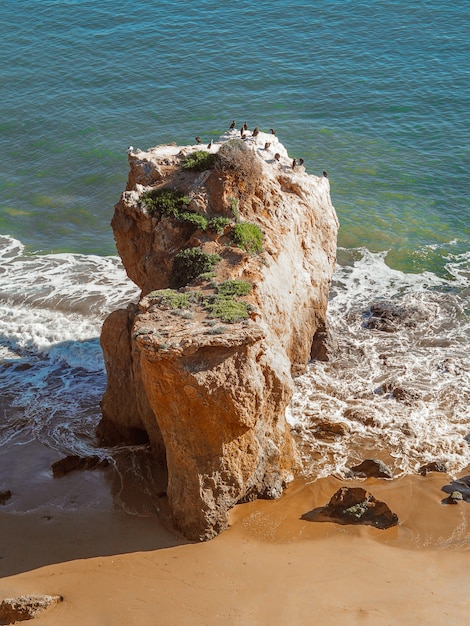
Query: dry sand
x,y
271,567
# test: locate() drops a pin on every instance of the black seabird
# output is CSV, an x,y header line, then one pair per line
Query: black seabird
x,y
209,145
245,127
232,125
198,139
272,131
294,163
301,161
325,174
277,156
267,145
255,132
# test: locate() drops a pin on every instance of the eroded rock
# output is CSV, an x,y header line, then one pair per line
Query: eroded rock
x,y
211,394
25,607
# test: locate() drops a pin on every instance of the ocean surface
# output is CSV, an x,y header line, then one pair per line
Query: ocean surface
x,y
376,93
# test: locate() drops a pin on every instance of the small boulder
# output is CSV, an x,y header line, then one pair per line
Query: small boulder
x,y
433,466
354,505
371,468
74,463
26,607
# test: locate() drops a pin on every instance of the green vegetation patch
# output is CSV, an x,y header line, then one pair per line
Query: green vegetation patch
x,y
196,219
247,236
167,202
199,161
217,224
234,288
173,203
191,263
226,308
170,297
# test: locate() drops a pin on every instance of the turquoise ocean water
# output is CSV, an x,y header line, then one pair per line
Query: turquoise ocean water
x,y
377,93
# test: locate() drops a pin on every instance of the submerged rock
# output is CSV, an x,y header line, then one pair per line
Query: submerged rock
x,y
372,468
354,505
25,607
389,317
208,376
5,496
73,463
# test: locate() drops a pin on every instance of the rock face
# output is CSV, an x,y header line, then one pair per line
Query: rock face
x,y
205,369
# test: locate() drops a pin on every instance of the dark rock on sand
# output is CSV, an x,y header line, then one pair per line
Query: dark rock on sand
x,y
74,463
459,486
5,496
433,466
372,468
24,608
354,505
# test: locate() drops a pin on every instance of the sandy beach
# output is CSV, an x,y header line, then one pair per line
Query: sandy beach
x,y
273,566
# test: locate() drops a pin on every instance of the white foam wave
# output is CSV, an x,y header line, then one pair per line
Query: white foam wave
x,y
403,395
52,372
48,302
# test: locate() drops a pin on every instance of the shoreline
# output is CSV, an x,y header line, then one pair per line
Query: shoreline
x,y
270,566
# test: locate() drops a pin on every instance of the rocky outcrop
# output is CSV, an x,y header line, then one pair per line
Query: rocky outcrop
x,y
24,608
205,369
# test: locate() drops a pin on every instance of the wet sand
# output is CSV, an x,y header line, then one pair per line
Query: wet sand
x,y
272,566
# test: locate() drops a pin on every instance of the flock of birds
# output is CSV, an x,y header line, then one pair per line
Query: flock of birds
x,y
255,133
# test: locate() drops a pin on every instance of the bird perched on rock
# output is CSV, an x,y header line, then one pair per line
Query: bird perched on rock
x,y
242,131
267,145
272,131
301,161
245,127
255,132
277,156
294,163
198,139
325,174
209,145
232,125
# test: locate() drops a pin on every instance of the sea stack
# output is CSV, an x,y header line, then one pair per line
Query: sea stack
x,y
234,279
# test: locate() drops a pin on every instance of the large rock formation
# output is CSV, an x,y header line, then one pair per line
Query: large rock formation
x,y
207,374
